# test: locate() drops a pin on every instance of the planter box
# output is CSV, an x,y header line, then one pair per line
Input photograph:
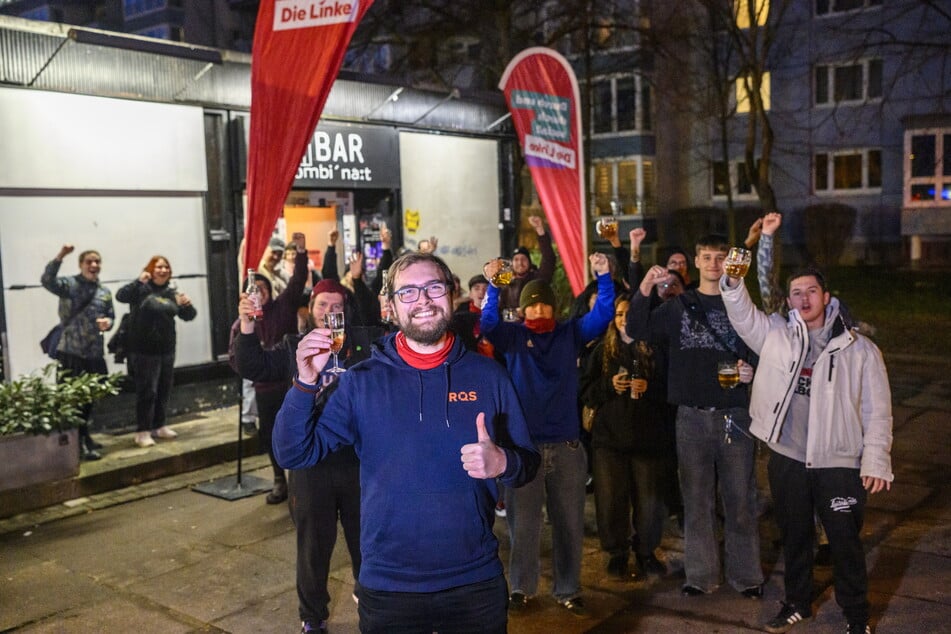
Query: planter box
x,y
27,459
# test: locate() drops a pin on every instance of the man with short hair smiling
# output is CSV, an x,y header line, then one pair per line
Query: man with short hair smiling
x,y
433,426
821,401
522,267
715,453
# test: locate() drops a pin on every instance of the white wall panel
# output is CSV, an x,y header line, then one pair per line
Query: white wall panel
x,y
126,231
62,141
451,190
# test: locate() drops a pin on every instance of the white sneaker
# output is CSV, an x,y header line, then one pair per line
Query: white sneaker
x,y
144,439
165,432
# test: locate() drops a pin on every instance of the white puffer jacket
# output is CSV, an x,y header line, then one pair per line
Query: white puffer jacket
x,y
850,409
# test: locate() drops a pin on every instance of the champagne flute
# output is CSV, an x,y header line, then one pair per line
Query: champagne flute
x,y
336,323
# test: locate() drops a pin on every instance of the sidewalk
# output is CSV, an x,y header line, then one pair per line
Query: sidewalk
x,y
159,557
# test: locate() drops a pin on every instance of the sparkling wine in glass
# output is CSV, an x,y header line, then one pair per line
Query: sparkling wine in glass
x,y
336,323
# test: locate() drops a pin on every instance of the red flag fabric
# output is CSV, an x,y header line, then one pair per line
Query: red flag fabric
x,y
542,94
297,52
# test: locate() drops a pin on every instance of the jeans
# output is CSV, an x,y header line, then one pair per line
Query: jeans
x,y
620,479
478,608
707,462
152,374
838,497
560,485
317,496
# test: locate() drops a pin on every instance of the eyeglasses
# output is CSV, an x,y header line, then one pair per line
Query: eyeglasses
x,y
410,294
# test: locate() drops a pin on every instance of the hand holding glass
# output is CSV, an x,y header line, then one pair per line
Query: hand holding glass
x,y
503,274
737,262
728,374
606,227
335,322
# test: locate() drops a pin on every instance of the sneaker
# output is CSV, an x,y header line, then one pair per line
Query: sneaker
x,y
165,432
859,628
518,601
249,428
500,509
753,592
144,439
308,626
575,606
788,616
89,455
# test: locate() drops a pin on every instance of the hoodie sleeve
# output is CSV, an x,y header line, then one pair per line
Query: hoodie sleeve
x,y
498,333
599,318
311,424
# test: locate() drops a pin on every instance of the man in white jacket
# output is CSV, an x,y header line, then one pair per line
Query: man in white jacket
x,y
822,403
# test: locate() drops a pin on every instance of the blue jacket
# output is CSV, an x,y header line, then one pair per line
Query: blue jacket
x,y
544,367
425,524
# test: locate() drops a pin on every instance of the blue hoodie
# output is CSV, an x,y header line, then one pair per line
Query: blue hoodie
x,y
544,366
425,524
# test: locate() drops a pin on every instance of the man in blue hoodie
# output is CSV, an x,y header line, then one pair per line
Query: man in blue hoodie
x,y
433,426
542,356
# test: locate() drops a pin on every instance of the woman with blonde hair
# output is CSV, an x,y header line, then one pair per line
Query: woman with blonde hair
x,y
154,304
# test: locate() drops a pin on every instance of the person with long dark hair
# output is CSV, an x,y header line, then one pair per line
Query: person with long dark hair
x,y
154,303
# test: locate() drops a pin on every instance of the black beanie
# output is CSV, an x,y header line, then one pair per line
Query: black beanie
x,y
534,292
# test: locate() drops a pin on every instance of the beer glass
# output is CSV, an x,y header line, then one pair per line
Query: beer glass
x,y
335,321
606,227
728,374
509,315
505,274
737,262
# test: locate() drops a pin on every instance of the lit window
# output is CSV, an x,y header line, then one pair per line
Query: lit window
x,y
742,12
847,170
742,95
624,187
928,167
853,82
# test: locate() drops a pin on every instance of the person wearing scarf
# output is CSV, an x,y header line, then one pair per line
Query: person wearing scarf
x,y
541,354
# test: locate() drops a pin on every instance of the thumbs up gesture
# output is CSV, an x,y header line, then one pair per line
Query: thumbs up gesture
x,y
483,459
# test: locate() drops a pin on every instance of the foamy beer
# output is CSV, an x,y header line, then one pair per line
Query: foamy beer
x,y
728,374
606,227
505,274
737,262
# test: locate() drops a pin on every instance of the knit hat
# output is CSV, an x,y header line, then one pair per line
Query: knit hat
x,y
329,286
477,279
522,251
276,244
534,292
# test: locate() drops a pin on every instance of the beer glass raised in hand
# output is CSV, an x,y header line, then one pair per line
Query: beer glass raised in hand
x,y
728,374
737,262
606,227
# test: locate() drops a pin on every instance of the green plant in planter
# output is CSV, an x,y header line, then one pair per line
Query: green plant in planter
x,y
37,404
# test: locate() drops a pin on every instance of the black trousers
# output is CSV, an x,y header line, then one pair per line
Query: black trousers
x,y
477,608
79,365
317,497
837,496
152,374
269,404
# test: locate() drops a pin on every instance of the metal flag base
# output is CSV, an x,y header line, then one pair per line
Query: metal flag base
x,y
234,487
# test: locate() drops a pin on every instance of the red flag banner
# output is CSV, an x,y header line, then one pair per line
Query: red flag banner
x,y
297,52
542,94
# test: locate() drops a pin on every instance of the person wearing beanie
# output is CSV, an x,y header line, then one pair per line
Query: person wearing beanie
x,y
524,271
280,318
541,356
329,490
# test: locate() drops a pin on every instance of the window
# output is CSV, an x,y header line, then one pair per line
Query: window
x,y
742,96
859,81
741,9
732,178
928,167
828,7
847,170
624,187
621,104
